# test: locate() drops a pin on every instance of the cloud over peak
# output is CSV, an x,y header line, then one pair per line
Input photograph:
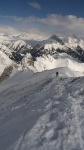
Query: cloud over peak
x,y
35,5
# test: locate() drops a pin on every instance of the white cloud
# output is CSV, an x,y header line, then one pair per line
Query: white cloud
x,y
69,21
21,19
52,23
7,29
35,5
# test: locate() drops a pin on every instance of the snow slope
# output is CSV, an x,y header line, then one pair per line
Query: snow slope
x,y
5,49
41,112
48,62
17,45
72,41
55,46
4,61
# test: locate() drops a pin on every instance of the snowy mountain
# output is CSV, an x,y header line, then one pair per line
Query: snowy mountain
x,y
41,111
73,41
38,109
60,62
73,46
53,39
55,52
19,46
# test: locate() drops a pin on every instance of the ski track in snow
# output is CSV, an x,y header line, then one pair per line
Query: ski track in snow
x,y
48,115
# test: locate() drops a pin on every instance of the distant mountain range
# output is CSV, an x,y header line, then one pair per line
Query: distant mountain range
x,y
17,45
28,50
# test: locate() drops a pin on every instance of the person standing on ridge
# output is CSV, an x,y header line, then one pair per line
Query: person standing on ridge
x,y
57,74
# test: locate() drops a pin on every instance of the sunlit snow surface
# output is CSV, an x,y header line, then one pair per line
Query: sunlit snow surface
x,y
41,112
65,64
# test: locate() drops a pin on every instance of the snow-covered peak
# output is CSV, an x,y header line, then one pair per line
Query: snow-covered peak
x,y
55,38
19,44
54,42
72,41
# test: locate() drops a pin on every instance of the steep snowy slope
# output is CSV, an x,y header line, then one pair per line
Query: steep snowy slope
x,y
4,61
19,45
41,112
5,49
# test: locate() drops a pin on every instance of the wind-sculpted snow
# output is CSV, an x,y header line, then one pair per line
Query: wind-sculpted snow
x,y
42,112
48,62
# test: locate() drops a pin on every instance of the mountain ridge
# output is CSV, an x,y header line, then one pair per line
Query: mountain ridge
x,y
18,50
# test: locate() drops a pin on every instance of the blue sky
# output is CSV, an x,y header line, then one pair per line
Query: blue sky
x,y
43,16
